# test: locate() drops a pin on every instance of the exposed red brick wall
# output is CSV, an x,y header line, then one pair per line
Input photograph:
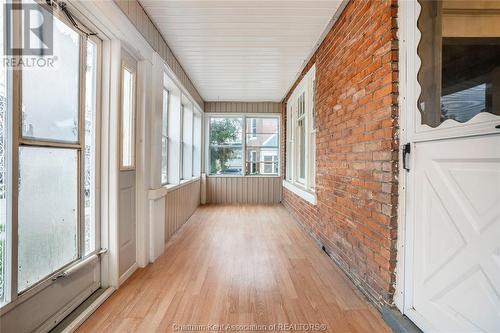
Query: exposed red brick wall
x,y
355,217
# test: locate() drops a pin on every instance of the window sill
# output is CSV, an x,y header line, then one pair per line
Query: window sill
x,y
184,182
159,193
301,192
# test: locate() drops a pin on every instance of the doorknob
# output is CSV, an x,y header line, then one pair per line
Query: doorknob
x,y
497,126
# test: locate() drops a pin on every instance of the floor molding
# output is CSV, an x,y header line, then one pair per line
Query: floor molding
x,y
128,273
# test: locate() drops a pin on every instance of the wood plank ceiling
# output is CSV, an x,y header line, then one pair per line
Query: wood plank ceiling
x,y
241,50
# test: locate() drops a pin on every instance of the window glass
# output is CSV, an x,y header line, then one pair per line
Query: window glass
x,y
253,127
289,142
187,143
460,54
48,211
90,147
226,146
253,162
128,109
197,145
313,116
174,172
262,145
164,138
301,131
51,113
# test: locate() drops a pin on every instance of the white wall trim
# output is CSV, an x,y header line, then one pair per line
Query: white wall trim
x,y
307,196
403,110
128,273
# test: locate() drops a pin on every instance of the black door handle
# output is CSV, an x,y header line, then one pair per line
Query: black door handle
x,y
497,126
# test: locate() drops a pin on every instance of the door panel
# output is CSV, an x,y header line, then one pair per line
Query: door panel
x,y
456,280
127,234
127,177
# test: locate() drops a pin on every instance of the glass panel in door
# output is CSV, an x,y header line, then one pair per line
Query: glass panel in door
x,y
460,53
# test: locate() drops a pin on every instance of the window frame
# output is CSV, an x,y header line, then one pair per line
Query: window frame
x,y
243,117
197,143
16,140
303,96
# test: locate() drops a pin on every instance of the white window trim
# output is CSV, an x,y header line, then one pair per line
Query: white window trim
x,y
304,187
243,116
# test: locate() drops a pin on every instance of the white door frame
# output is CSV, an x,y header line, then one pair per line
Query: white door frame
x,y
411,131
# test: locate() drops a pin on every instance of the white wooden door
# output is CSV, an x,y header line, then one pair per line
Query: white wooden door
x,y
452,199
456,280
127,178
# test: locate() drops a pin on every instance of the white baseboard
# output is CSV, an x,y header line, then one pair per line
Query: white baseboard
x,y
127,274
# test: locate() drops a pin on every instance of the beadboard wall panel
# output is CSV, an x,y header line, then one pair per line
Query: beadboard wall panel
x,y
180,205
243,190
243,107
137,15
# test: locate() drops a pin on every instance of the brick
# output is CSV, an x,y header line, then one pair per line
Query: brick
x,y
356,145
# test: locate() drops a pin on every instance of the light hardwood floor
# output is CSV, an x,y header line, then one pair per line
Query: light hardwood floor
x,y
237,265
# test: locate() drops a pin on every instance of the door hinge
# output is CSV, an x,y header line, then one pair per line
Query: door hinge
x,y
406,156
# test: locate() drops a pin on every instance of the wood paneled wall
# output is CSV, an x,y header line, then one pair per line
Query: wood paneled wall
x,y
243,190
137,15
180,205
243,107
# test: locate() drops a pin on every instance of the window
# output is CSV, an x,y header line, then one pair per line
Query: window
x,y
164,139
226,145
253,162
301,135
254,153
173,125
181,136
56,154
253,127
262,145
187,141
312,145
128,119
197,144
460,53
